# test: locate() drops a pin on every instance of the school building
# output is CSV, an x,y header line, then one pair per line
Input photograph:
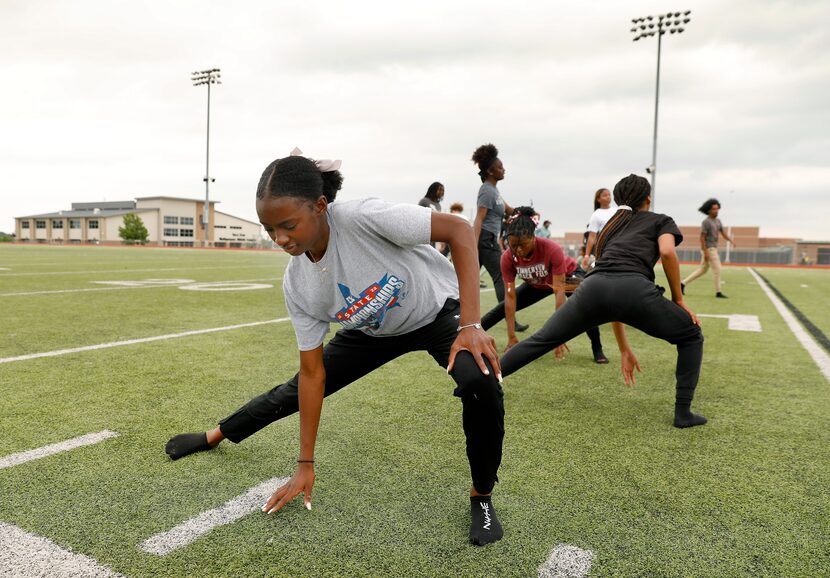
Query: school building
x,y
170,222
751,247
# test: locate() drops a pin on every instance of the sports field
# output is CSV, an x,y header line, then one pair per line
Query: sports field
x,y
589,465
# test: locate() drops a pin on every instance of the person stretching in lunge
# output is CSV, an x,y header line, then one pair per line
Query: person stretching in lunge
x,y
545,270
620,289
367,265
709,231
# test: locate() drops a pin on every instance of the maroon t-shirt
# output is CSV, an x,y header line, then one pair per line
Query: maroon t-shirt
x,y
548,259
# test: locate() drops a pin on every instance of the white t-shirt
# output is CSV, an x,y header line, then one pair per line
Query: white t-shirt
x,y
378,274
600,217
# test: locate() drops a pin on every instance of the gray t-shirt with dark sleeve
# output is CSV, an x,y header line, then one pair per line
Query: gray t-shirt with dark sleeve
x,y
711,229
490,198
378,275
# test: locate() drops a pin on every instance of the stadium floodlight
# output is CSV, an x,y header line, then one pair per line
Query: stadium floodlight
x,y
671,23
199,78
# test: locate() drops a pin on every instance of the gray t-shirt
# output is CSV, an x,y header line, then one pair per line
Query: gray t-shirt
x,y
490,198
378,274
430,204
711,228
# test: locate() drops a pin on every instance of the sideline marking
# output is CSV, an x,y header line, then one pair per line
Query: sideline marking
x,y
146,282
31,556
95,272
821,358
738,322
165,542
566,561
120,285
56,448
140,340
225,286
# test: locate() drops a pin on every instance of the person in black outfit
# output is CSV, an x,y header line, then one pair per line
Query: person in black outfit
x,y
620,289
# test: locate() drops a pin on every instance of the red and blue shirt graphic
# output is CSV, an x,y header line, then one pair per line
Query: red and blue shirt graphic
x,y
368,309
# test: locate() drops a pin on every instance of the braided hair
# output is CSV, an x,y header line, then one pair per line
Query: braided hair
x,y
631,191
705,207
298,176
484,156
523,222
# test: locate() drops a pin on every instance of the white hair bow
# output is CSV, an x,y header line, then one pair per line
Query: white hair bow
x,y
325,165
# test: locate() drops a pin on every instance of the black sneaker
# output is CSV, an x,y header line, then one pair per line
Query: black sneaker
x,y
720,295
682,288
599,357
482,284
520,327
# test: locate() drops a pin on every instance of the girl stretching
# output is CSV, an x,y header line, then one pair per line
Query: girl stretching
x,y
367,265
620,288
545,270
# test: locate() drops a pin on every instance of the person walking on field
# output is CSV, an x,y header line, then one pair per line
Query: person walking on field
x,y
710,230
544,230
367,266
491,208
432,200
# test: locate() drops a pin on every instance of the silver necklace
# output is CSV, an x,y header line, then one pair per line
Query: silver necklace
x,y
316,263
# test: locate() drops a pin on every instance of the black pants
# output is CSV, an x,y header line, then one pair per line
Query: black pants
x,y
629,298
351,354
527,295
489,255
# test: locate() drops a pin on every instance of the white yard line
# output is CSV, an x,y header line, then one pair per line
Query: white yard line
x,y
96,271
196,527
56,448
819,356
26,555
148,286
738,322
566,561
140,340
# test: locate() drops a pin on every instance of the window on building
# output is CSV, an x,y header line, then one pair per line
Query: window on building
x,y
219,226
235,227
57,223
74,223
171,220
185,232
40,224
171,232
185,220
93,224
24,224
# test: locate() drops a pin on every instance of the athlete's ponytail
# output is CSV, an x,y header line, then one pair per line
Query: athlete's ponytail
x,y
629,194
298,176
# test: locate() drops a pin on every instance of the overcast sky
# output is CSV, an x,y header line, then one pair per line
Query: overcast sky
x,y
96,102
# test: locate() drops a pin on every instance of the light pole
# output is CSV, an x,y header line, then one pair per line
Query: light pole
x,y
674,23
199,78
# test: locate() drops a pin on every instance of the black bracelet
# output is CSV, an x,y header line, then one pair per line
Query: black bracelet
x,y
305,461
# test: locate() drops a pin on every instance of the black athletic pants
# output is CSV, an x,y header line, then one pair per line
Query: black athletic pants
x,y
351,354
527,295
489,255
629,298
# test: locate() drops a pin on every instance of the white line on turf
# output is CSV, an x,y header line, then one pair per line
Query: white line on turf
x,y
165,542
566,561
56,448
127,285
27,555
738,322
140,340
96,271
816,352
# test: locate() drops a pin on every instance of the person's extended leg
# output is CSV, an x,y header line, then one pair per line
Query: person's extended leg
x,y
579,313
345,359
647,310
714,259
596,345
482,403
704,266
526,295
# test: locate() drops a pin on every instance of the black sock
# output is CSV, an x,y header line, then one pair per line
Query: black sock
x,y
683,416
185,444
484,526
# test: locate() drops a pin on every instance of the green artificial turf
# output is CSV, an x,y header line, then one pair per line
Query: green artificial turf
x,y
587,461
